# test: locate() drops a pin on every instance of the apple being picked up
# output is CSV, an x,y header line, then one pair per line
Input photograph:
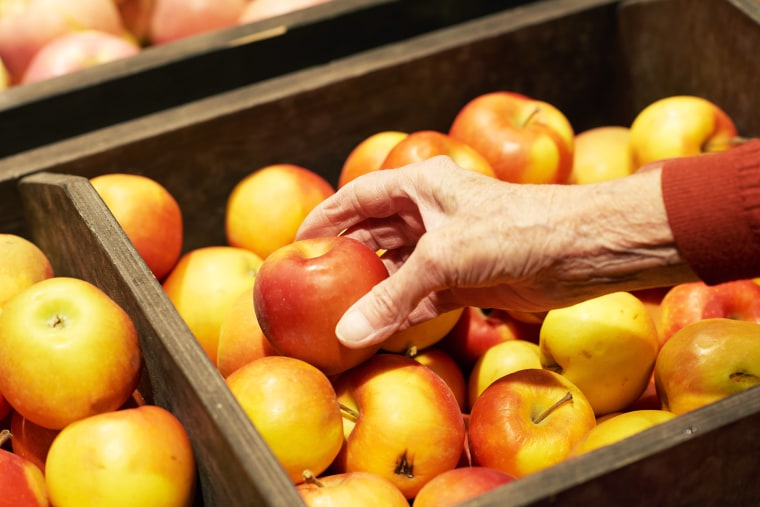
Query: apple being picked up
x,y
304,288
22,484
524,139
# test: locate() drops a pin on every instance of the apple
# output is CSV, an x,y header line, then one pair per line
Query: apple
x,y
61,334
601,154
679,126
295,409
75,51
176,19
31,441
22,483
499,360
136,16
453,487
690,302
525,140
27,25
478,329
424,144
605,345
422,335
22,264
618,427
257,10
444,365
241,339
5,79
135,456
149,215
368,155
402,422
349,490
304,288
203,286
266,208
707,361
527,421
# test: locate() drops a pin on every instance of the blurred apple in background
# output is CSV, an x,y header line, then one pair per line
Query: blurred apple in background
x,y
422,335
27,25
203,286
680,126
22,264
527,421
499,360
405,425
256,10
601,154
30,440
266,208
241,339
5,79
176,19
75,51
136,456
707,361
21,482
690,302
149,215
136,16
605,345
368,155
61,334
456,486
295,409
525,140
350,489
304,288
424,144
446,368
618,426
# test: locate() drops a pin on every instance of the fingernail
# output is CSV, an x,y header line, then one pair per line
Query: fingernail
x,y
354,329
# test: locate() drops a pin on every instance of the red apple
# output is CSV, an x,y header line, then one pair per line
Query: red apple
x,y
527,421
690,302
21,482
61,334
453,487
176,19
401,421
525,140
304,288
31,441
349,490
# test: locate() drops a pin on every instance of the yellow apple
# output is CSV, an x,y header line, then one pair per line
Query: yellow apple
x,y
204,285
22,264
605,345
295,409
368,155
618,426
423,335
601,154
350,489
135,456
67,351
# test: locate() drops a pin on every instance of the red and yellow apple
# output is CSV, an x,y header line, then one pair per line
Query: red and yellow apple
x,y
707,361
605,345
453,487
295,409
21,482
22,264
266,208
447,368
402,422
680,126
601,154
525,140
350,489
204,285
135,456
59,335
304,288
368,155
527,421
619,426
149,215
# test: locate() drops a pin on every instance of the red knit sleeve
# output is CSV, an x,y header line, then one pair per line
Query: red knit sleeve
x,y
713,207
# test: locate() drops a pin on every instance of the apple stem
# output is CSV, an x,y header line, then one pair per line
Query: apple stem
x,y
350,412
309,477
412,351
5,436
532,114
721,145
567,397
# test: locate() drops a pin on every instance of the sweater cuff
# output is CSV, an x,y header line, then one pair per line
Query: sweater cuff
x,y
713,207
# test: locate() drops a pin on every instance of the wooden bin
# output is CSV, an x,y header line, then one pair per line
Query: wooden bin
x,y
171,74
600,61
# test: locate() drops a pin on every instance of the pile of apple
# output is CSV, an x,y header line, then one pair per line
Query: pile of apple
x,y
41,39
472,399
74,428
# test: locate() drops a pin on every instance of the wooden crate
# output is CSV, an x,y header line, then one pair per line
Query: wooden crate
x,y
165,76
600,61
